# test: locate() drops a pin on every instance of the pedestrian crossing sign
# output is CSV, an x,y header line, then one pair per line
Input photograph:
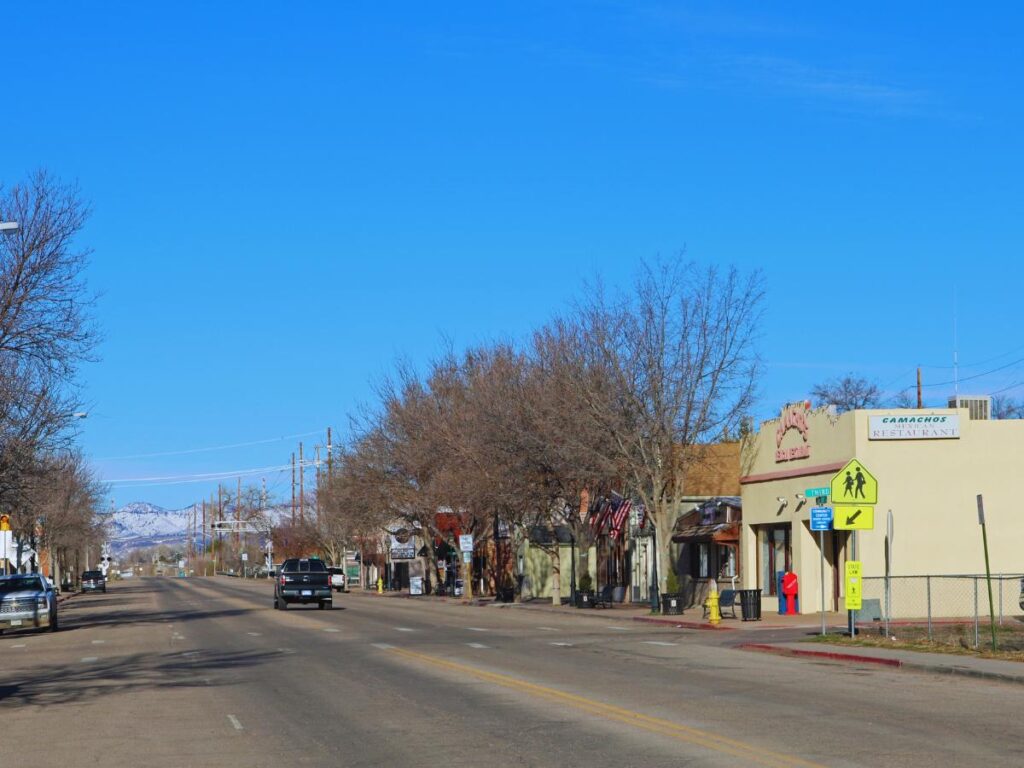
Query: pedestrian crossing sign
x,y
853,484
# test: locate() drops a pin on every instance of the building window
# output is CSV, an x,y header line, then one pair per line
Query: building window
x,y
727,561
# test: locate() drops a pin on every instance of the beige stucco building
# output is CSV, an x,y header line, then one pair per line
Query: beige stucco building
x,y
930,465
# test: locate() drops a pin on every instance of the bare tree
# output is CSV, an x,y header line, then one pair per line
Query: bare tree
x,y
666,370
45,325
848,393
1005,407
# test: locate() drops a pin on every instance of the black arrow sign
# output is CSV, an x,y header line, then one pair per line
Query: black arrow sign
x,y
854,516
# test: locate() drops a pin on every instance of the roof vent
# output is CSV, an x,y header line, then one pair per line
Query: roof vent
x,y
979,407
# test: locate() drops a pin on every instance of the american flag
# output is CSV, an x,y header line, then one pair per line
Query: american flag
x,y
597,517
620,517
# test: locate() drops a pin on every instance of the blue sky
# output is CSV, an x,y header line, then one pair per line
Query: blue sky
x,y
288,198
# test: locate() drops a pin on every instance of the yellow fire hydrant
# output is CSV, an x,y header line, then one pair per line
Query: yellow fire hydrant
x,y
714,616
380,585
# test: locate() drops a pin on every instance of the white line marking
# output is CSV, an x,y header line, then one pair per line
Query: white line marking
x,y
286,650
562,645
98,642
254,634
234,722
548,629
404,629
90,659
476,629
383,646
476,645
331,629
620,629
658,642
188,654
22,645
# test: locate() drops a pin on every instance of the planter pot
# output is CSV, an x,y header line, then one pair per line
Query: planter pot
x,y
584,599
505,595
672,605
618,594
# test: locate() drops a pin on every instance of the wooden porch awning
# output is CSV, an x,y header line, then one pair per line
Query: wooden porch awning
x,y
724,533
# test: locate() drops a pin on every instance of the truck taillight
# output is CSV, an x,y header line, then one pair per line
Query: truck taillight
x,y
283,580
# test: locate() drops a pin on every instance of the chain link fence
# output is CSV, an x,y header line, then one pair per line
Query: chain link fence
x,y
941,602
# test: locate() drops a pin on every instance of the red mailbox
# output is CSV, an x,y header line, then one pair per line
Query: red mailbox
x,y
790,587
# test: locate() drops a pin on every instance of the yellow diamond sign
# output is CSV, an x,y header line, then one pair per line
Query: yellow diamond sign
x,y
853,484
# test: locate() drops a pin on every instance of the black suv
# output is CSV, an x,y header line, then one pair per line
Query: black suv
x,y
94,581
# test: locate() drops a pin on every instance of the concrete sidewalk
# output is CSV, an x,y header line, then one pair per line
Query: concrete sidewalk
x,y
691,618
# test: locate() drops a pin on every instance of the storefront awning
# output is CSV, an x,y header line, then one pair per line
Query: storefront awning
x,y
721,532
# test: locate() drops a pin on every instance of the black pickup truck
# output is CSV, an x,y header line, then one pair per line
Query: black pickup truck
x,y
302,580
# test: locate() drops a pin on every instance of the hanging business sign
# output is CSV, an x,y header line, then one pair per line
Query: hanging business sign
x,y
466,542
941,426
403,547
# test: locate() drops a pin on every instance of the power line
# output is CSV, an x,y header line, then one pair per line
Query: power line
x,y
211,448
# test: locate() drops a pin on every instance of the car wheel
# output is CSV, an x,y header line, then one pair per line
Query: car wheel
x,y
53,623
284,605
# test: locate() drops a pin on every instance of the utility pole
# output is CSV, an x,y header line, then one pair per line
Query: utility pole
x,y
293,488
329,452
238,518
204,537
220,517
318,484
302,487
919,400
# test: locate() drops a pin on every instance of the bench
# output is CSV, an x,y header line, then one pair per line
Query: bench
x,y
604,598
726,601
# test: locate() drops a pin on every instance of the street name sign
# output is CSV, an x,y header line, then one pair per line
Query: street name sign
x,y
817,493
821,518
853,484
850,517
466,542
853,585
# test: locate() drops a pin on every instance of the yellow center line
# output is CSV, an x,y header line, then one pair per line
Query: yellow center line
x,y
706,739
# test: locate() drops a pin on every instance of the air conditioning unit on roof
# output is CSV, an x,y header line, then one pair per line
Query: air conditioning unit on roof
x,y
979,407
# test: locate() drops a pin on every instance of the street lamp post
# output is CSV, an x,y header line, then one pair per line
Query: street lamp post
x,y
572,567
9,226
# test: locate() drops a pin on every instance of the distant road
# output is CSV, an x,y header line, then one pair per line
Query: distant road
x,y
203,672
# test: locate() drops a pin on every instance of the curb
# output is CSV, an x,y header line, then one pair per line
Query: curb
x,y
830,655
683,624
914,666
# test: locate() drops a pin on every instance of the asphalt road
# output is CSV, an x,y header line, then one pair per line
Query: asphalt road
x,y
203,672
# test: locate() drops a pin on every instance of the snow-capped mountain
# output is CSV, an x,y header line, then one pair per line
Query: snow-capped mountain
x,y
141,525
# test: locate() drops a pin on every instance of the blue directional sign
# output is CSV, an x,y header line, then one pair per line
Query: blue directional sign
x,y
821,518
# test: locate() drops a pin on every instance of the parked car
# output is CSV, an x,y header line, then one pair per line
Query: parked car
x,y
337,578
27,601
94,581
302,580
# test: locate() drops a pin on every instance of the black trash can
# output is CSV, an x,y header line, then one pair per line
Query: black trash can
x,y
750,604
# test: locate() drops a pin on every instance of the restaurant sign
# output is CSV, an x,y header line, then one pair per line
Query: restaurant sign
x,y
942,426
794,417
